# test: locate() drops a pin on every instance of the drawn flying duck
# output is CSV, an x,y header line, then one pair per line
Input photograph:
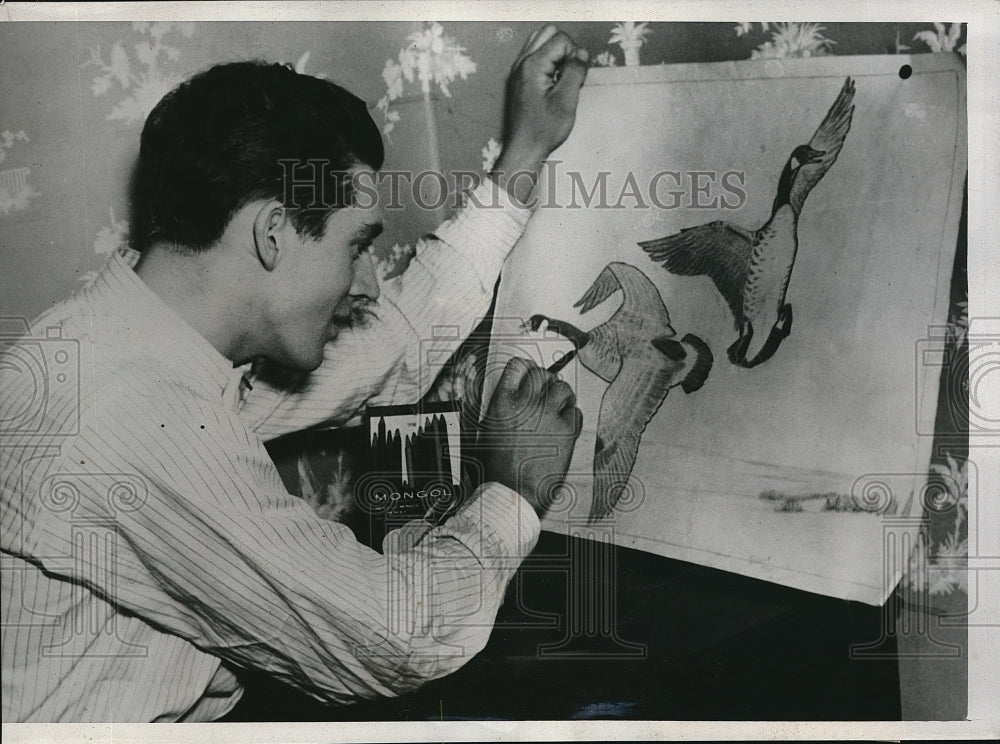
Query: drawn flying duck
x,y
752,269
634,350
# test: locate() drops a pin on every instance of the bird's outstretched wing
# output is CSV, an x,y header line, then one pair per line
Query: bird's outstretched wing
x,y
640,295
717,249
829,138
605,285
626,408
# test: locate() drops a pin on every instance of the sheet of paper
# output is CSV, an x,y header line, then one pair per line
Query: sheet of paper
x,y
802,461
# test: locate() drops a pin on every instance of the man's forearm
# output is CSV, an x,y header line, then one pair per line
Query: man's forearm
x,y
516,171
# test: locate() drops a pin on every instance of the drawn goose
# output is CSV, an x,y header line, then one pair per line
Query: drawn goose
x,y
752,269
634,350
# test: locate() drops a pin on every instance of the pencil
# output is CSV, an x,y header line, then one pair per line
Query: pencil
x,y
562,361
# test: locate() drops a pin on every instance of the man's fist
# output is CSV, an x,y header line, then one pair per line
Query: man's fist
x,y
542,92
529,432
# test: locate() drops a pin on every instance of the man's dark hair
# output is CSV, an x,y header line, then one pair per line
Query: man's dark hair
x,y
215,143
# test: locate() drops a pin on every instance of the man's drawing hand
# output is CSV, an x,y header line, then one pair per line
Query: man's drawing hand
x,y
542,92
529,432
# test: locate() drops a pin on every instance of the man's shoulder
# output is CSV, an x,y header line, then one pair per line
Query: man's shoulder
x,y
83,362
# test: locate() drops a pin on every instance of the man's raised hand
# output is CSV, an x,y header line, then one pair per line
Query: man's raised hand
x,y
529,431
542,93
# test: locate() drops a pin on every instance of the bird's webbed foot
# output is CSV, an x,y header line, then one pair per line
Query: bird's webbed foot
x,y
737,351
783,325
781,329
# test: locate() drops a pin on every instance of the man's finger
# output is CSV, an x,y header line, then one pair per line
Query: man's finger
x,y
514,374
526,49
562,396
551,54
538,37
546,33
536,381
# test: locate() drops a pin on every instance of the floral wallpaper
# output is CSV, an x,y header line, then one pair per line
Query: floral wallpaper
x,y
139,71
435,89
15,189
430,58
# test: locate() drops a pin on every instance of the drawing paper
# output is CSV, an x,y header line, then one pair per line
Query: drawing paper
x,y
809,468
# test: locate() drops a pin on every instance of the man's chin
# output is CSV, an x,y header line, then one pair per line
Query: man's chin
x,y
309,365
307,362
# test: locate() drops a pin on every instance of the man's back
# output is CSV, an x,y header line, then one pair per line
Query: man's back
x,y
85,362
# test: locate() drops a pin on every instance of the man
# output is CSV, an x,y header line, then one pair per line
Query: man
x,y
149,547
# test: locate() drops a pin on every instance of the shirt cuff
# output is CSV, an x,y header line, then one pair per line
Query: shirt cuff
x,y
508,515
490,224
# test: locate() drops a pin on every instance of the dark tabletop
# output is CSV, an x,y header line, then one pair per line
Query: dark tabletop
x,y
685,642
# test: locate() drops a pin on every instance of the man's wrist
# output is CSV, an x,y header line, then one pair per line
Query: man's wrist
x,y
508,512
517,173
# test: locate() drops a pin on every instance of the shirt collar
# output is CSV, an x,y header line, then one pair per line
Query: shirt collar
x,y
150,327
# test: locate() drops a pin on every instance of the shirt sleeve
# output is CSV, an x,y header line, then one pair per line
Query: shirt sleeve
x,y
423,316
210,547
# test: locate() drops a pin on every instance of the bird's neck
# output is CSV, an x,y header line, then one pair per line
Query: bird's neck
x,y
784,194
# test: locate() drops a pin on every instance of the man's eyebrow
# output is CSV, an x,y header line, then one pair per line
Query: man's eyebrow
x,y
367,233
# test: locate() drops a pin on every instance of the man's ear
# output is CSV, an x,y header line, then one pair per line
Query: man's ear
x,y
269,234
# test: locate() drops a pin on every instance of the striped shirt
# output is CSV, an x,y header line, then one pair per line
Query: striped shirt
x,y
149,546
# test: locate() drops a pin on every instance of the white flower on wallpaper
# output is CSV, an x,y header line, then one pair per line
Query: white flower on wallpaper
x,y
630,36
459,380
900,46
8,140
955,476
490,154
943,569
333,499
604,59
940,572
141,70
431,58
792,40
744,27
943,38
110,238
395,263
950,567
16,191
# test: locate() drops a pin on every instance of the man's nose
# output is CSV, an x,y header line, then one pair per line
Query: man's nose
x,y
365,284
